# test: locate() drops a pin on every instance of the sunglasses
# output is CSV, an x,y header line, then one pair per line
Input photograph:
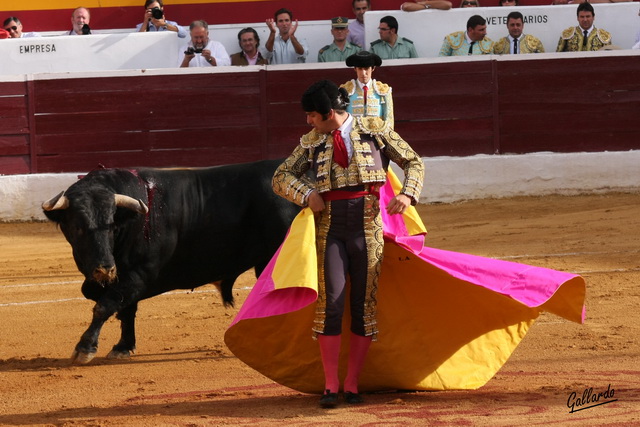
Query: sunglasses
x,y
14,28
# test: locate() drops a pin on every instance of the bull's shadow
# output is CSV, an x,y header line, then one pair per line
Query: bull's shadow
x,y
51,363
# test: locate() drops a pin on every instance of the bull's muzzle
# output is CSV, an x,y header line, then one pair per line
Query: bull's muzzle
x,y
104,274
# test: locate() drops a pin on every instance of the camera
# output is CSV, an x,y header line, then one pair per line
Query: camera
x,y
191,50
157,13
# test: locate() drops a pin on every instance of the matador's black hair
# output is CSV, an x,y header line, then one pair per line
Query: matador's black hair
x,y
323,96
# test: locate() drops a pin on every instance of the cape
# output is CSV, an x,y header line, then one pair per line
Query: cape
x,y
446,320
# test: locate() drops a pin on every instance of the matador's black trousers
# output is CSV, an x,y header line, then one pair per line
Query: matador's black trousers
x,y
349,243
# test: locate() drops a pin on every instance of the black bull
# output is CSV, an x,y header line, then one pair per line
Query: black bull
x,y
138,233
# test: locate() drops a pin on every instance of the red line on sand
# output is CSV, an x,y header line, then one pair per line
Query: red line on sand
x,y
205,392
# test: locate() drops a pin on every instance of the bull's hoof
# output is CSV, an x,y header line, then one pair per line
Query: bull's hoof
x,y
119,354
82,358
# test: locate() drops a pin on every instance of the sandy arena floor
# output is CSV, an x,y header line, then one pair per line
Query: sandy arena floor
x,y
183,374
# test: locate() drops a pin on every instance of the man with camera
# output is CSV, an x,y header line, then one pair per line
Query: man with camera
x,y
154,20
201,51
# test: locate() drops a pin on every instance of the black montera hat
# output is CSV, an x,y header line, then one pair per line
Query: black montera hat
x,y
324,95
364,59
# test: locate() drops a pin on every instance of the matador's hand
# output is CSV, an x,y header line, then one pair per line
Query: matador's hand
x,y
316,202
398,204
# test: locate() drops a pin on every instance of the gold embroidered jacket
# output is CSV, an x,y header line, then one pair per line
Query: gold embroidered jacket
x,y
571,40
379,102
528,44
374,144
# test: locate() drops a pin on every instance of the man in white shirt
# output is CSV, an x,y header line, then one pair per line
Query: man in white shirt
x,y
201,51
284,47
13,26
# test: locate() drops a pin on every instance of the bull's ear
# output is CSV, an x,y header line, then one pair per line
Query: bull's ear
x,y
58,202
135,205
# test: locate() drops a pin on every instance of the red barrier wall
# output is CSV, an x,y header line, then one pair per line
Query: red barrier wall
x,y
443,108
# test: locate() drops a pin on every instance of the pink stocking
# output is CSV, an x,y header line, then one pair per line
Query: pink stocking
x,y
357,354
330,353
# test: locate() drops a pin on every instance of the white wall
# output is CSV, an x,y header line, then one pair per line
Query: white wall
x,y
120,50
447,179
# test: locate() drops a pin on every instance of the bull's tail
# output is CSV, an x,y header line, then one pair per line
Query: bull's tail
x,y
225,287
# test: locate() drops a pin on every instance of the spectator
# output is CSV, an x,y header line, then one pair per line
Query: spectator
x,y
413,6
390,45
80,18
201,51
368,97
13,26
474,41
356,28
249,55
516,42
285,47
154,20
508,3
585,36
470,3
340,49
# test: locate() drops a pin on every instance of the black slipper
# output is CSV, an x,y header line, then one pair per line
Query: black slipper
x,y
352,398
328,399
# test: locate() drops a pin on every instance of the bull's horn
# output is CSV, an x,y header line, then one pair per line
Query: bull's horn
x,y
131,203
58,202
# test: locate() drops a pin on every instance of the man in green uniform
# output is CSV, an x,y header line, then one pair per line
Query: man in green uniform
x,y
340,49
390,45
585,36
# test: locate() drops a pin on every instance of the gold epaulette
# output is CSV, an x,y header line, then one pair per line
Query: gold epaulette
x,y
324,49
502,46
312,139
382,88
603,35
568,33
349,86
486,45
407,40
530,42
456,39
372,125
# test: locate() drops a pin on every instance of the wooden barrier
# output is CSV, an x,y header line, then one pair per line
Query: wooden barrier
x,y
561,103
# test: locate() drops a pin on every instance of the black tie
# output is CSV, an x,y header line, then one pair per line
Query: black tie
x,y
471,48
515,46
584,40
